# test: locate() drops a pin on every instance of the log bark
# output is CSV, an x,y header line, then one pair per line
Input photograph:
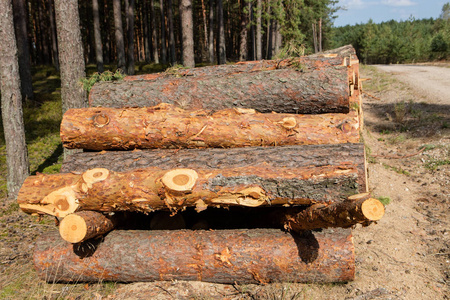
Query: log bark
x,y
357,209
290,86
153,188
211,159
84,225
222,256
166,126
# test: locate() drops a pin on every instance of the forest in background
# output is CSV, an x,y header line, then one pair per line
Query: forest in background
x,y
395,42
251,30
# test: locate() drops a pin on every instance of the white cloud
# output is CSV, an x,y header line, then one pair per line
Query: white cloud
x,y
398,2
352,4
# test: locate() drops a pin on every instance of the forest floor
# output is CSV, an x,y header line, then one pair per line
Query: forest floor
x,y
406,255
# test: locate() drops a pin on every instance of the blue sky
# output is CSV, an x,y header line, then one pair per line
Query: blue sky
x,y
360,11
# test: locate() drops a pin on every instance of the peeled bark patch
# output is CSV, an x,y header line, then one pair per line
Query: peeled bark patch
x,y
220,256
153,188
166,126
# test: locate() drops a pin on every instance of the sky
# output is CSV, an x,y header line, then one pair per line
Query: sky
x,y
360,11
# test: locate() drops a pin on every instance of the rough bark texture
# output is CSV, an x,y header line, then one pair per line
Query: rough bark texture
x,y
187,33
212,7
84,225
154,188
258,30
20,25
120,45
11,103
130,35
70,54
222,256
221,48
210,159
243,31
154,36
163,33
363,210
55,54
98,37
303,64
172,56
166,126
285,90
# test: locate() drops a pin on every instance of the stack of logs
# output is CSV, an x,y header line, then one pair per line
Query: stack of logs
x,y
275,141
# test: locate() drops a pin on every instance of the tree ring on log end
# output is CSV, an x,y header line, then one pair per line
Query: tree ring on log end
x,y
73,228
373,209
180,180
95,175
101,120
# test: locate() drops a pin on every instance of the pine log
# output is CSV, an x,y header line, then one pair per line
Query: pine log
x,y
222,256
150,189
84,225
357,209
313,156
289,90
334,57
166,126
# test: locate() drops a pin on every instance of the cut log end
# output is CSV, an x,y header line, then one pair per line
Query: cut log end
x,y
180,180
84,225
95,175
73,229
373,209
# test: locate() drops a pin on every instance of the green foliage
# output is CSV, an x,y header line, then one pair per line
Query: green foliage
x,y
397,42
396,169
89,82
434,164
384,200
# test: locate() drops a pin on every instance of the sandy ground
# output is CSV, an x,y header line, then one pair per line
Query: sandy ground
x,y
405,256
429,81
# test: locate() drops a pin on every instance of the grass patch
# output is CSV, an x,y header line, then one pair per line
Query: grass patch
x,y
384,200
396,169
434,164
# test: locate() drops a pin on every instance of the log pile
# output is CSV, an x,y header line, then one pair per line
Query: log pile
x,y
247,151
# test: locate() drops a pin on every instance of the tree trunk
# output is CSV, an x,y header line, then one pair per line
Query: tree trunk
x,y
258,30
221,256
221,48
11,104
120,45
320,35
21,32
146,31
172,56
44,33
188,33
130,34
283,90
269,33
71,54
55,54
84,225
163,33
205,26
154,36
98,37
166,126
212,7
243,50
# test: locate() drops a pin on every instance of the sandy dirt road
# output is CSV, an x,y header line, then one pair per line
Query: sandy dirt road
x,y
430,81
